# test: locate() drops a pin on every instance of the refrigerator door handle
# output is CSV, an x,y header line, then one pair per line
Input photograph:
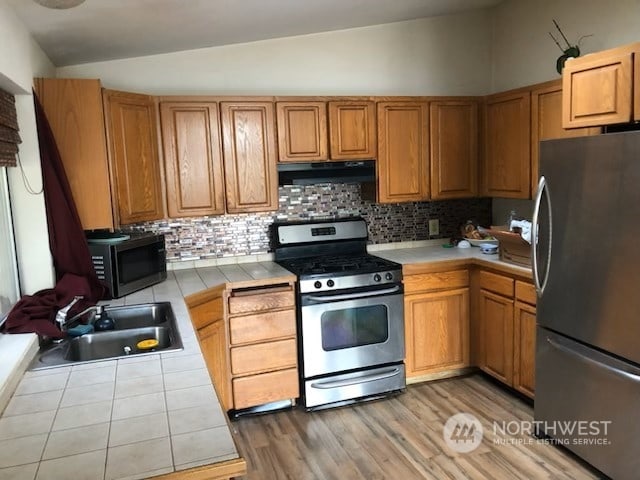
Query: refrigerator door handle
x,y
542,188
616,371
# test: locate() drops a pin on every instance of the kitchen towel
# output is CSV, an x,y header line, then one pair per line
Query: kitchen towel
x,y
525,229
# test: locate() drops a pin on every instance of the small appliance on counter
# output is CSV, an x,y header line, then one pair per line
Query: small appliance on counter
x,y
128,262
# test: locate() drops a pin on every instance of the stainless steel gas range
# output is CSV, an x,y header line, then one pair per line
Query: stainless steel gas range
x,y
350,312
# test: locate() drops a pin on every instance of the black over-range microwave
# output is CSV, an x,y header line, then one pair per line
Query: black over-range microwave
x,y
128,262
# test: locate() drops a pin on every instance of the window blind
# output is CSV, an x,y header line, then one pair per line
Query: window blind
x,y
9,136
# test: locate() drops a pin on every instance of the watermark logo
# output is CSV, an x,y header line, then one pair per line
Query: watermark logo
x,y
560,432
462,432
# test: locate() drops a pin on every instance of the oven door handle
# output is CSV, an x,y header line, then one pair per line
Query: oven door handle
x,y
392,372
352,296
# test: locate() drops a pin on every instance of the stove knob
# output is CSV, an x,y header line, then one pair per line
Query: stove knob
x,y
377,278
330,283
317,285
389,276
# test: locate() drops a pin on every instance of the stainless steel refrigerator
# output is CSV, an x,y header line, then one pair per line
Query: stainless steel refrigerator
x,y
587,273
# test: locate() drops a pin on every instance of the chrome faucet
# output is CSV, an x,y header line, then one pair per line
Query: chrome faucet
x,y
99,309
61,315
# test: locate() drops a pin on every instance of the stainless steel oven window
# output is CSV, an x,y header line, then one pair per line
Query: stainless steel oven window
x,y
353,327
319,361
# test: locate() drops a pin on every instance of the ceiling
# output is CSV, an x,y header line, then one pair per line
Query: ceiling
x,y
110,29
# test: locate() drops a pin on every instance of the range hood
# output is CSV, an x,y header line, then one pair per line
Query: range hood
x,y
307,173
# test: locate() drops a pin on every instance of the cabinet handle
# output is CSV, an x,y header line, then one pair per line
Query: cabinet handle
x,y
542,188
355,381
610,368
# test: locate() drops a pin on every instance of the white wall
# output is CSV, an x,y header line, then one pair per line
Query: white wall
x,y
436,56
20,60
524,53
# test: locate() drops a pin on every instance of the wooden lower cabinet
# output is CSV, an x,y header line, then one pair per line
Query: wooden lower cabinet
x,y
207,313
248,339
507,330
436,322
524,352
265,388
497,330
437,331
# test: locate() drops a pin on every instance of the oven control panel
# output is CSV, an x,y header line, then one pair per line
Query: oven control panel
x,y
350,281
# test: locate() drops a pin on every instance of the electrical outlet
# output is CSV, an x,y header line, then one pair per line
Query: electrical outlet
x,y
434,227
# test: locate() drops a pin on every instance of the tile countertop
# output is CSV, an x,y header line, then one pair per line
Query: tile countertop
x,y
432,252
151,415
130,418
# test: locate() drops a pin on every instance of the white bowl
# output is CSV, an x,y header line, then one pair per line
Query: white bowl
x,y
488,248
464,244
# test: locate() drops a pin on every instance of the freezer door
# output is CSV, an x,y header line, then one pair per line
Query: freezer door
x,y
577,383
592,249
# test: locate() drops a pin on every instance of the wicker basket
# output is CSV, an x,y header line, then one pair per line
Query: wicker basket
x,y
513,249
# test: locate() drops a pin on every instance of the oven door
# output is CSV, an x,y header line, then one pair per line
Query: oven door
x,y
351,330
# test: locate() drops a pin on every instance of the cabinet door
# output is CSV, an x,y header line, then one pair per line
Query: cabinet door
x,y
454,149
507,167
133,150
251,179
75,113
496,320
437,331
213,343
524,350
302,131
403,155
598,89
193,158
546,124
352,130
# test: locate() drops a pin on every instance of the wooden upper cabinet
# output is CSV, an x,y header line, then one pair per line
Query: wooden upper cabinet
x,y
454,149
599,88
302,131
507,163
74,110
403,151
193,158
249,147
133,148
546,123
352,130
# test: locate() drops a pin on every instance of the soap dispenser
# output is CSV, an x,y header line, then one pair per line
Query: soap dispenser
x,y
103,321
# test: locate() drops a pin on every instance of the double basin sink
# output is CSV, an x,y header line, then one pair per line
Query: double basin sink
x,y
136,328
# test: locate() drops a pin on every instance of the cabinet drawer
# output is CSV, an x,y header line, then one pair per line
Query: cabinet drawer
x,y
496,283
263,357
265,388
245,301
262,327
436,281
526,292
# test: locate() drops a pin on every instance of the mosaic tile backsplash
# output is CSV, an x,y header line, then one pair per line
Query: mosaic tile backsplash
x,y
200,238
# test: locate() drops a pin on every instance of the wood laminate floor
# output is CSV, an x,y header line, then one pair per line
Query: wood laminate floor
x,y
400,438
